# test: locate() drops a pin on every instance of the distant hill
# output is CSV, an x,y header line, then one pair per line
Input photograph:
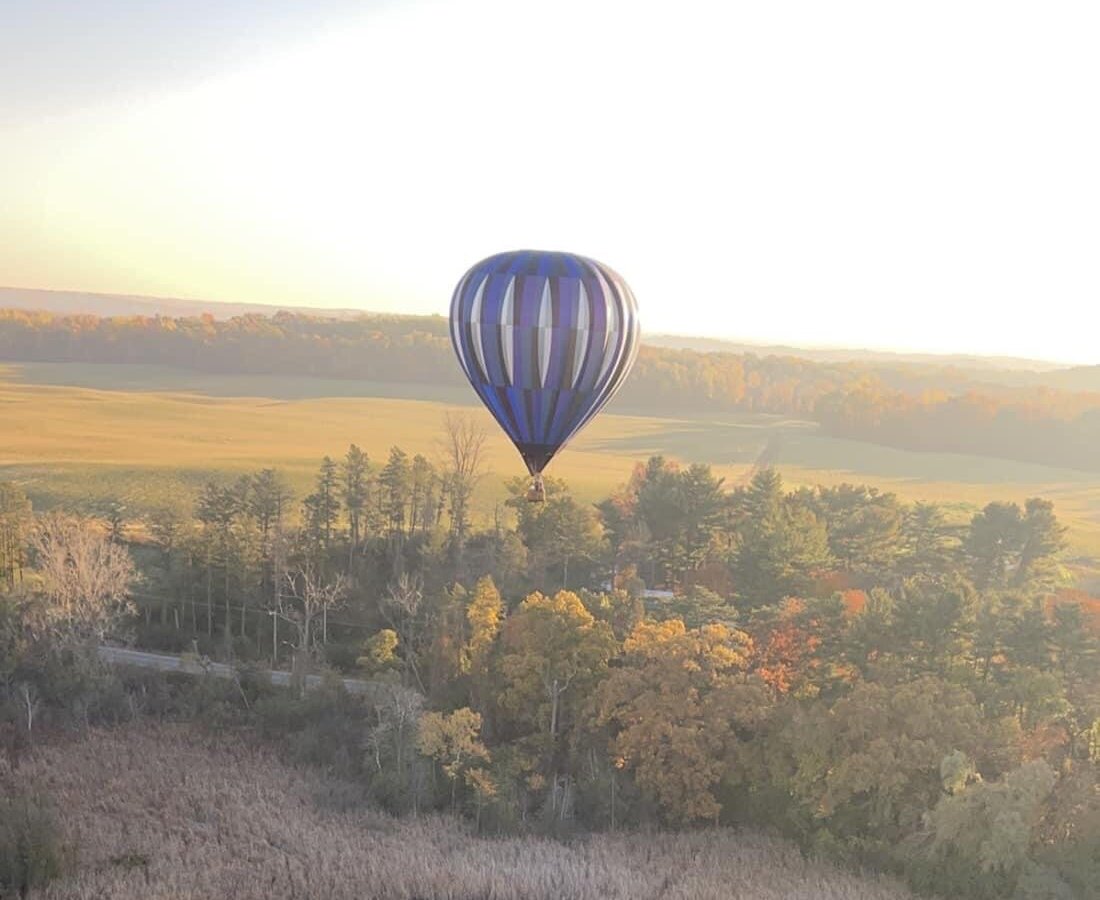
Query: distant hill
x,y
848,354
1000,369
84,303
1078,378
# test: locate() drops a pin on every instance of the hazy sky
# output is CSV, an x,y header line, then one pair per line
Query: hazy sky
x,y
904,175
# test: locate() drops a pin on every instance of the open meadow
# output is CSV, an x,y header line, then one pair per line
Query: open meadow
x,y
154,812
77,433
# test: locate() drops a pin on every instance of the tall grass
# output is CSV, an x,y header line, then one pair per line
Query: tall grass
x,y
159,811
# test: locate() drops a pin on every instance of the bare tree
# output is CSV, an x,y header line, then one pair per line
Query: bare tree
x,y
464,447
28,694
87,577
306,598
401,608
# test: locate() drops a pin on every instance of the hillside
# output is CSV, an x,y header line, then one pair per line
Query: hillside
x,y
927,409
997,368
163,811
994,366
85,303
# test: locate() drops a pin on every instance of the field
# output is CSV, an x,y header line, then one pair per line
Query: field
x,y
162,811
74,433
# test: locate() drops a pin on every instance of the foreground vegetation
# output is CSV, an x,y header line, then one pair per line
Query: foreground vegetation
x,y
885,685
164,811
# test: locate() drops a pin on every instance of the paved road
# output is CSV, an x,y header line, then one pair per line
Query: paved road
x,y
169,663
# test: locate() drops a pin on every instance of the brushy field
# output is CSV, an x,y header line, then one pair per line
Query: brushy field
x,y
71,433
159,811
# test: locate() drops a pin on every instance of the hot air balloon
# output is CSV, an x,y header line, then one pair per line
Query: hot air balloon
x,y
546,339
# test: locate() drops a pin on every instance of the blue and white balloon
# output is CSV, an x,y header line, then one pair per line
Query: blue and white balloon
x,y
546,339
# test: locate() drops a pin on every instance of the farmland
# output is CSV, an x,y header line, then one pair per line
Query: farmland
x,y
78,433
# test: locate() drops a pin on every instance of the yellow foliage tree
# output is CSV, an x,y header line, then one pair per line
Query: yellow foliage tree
x,y
453,742
379,652
554,650
483,614
673,705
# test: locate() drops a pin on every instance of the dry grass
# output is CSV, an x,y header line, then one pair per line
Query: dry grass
x,y
159,812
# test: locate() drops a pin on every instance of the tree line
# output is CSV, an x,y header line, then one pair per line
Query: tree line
x,y
907,406
886,684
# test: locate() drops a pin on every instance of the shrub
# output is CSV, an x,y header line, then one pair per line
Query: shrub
x,y
31,850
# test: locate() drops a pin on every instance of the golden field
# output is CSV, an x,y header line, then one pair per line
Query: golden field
x,y
147,435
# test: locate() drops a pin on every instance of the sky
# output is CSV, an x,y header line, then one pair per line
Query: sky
x,y
909,176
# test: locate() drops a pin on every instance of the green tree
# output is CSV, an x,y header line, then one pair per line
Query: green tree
x,y
929,545
321,511
423,507
354,472
1044,537
217,509
986,834
781,545
562,537
864,526
395,482
868,768
15,526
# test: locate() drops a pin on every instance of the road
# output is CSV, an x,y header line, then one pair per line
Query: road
x,y
168,663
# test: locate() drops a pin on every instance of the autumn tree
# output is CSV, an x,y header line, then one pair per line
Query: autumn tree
x,y
452,740
484,614
675,705
554,652
379,653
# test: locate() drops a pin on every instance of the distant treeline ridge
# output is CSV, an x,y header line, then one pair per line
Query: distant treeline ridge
x,y
907,406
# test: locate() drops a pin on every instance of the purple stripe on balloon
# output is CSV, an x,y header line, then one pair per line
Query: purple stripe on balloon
x,y
529,299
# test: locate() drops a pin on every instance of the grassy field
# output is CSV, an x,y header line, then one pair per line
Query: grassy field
x,y
163,811
73,432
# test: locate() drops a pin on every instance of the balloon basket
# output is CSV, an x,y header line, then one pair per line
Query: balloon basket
x,y
536,493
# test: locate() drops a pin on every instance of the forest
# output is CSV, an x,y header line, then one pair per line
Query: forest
x,y
886,686
915,407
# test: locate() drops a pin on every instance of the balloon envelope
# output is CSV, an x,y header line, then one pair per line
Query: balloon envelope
x,y
546,339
